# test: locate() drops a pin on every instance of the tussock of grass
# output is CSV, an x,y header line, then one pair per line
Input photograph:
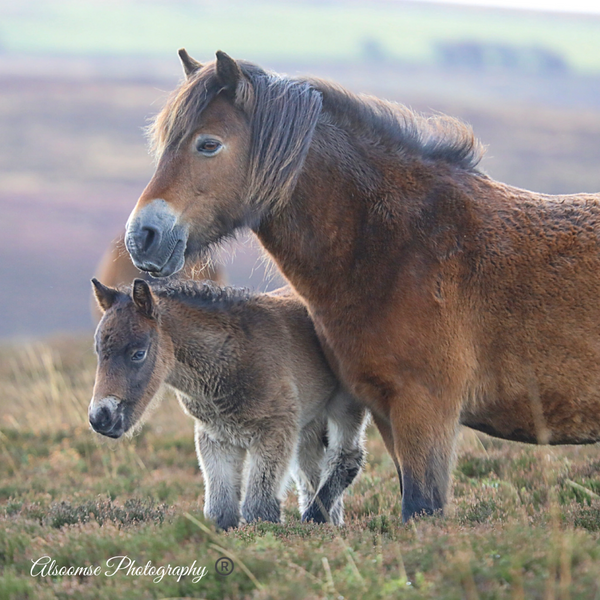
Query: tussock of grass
x,y
133,512
524,521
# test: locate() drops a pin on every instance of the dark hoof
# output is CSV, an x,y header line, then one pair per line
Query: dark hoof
x,y
225,521
315,514
419,513
268,512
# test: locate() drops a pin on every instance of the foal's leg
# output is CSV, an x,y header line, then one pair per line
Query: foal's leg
x,y
310,461
336,514
270,459
222,465
345,458
425,428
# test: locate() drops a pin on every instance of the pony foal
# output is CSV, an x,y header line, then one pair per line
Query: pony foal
x,y
250,370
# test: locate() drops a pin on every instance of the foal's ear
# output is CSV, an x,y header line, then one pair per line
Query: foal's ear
x,y
229,73
105,296
143,299
190,66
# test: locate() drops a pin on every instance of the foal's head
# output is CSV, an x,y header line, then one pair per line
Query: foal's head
x,y
134,357
230,143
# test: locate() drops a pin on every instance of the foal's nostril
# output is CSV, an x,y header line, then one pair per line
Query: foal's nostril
x,y
147,237
100,419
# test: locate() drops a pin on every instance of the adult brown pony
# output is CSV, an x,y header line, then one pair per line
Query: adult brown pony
x,y
116,269
444,297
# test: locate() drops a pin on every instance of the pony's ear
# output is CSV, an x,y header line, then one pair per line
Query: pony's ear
x,y
105,296
235,83
190,66
143,299
229,73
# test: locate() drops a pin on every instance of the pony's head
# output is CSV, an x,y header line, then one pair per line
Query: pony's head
x,y
134,357
229,144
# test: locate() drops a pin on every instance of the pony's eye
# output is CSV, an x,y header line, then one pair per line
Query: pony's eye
x,y
138,356
208,147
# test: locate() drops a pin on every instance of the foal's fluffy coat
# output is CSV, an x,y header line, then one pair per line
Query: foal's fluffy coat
x,y
249,369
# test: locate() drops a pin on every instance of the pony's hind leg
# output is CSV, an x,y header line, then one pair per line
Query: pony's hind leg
x,y
270,459
222,465
310,459
337,512
344,459
425,428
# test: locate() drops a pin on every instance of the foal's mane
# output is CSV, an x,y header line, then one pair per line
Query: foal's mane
x,y
284,112
200,293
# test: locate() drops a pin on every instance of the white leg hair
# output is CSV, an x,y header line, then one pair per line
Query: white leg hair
x,y
310,460
347,420
222,466
270,459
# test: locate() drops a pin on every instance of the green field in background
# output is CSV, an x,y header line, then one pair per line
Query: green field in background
x,y
268,30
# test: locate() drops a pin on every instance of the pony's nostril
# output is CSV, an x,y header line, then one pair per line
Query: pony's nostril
x,y
100,419
147,237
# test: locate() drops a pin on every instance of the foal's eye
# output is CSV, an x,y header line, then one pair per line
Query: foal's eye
x,y
208,147
138,356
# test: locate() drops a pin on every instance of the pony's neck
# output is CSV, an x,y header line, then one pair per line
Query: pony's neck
x,y
357,212
347,193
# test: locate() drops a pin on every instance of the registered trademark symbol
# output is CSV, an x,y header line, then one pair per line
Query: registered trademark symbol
x,y
224,566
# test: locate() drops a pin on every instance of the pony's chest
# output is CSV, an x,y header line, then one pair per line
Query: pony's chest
x,y
229,426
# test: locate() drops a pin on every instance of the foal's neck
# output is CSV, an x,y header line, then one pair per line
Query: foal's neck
x,y
200,338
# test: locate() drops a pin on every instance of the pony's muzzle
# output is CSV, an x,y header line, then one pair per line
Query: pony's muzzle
x,y
106,418
155,240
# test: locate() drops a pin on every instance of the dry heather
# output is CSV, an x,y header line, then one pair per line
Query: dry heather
x,y
524,521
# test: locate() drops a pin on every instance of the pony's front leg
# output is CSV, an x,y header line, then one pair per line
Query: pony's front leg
x,y
222,466
387,435
270,458
344,459
425,427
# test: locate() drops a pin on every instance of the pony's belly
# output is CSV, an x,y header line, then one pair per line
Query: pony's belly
x,y
552,419
505,429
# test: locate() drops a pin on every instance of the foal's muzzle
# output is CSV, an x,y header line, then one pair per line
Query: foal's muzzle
x,y
155,240
106,417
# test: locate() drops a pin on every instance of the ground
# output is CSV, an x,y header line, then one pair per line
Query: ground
x,y
524,521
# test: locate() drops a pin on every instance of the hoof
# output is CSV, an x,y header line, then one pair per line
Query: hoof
x,y
315,514
225,521
269,512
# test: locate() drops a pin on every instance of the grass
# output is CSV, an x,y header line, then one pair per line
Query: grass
x,y
287,31
524,521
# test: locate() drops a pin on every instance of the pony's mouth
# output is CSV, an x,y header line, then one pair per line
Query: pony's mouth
x,y
116,431
155,240
174,263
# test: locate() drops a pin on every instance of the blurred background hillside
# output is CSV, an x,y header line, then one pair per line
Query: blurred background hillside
x,y
79,80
